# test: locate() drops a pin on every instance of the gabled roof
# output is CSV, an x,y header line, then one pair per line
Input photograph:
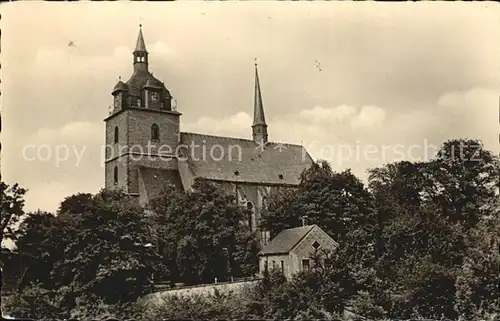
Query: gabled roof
x,y
286,240
243,160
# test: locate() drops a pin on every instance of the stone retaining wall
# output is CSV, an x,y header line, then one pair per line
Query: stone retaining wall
x,y
225,287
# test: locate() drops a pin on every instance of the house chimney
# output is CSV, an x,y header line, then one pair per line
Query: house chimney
x,y
304,220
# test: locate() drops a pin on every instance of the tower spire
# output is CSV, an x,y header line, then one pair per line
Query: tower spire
x,y
140,45
259,126
140,53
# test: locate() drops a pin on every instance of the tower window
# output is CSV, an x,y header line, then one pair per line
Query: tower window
x,y
155,133
116,135
115,175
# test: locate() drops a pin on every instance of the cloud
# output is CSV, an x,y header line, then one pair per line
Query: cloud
x,y
369,116
322,115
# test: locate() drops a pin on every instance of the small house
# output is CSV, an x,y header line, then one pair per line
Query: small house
x,y
291,250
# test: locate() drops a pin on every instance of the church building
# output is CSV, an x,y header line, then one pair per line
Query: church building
x,y
145,148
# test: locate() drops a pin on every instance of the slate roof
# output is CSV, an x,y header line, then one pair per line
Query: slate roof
x,y
140,45
155,180
139,79
286,240
244,160
120,86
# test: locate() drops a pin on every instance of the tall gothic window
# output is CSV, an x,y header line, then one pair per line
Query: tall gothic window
x,y
116,134
155,133
115,175
264,203
250,214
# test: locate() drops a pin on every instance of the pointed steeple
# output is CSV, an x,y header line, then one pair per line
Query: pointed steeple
x,y
259,127
140,53
140,45
258,111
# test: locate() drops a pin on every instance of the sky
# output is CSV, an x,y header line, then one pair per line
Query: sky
x,y
358,84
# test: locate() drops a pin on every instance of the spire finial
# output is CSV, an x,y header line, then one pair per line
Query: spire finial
x,y
255,62
140,25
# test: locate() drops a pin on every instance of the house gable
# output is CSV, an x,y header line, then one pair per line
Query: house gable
x,y
305,246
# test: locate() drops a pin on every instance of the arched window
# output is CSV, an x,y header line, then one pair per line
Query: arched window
x,y
116,134
250,214
155,133
115,175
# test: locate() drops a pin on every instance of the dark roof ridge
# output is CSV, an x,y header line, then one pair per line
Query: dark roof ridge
x,y
237,138
215,136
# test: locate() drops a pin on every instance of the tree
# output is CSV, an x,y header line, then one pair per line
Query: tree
x,y
200,231
111,255
426,212
76,204
478,280
465,177
104,255
12,203
43,236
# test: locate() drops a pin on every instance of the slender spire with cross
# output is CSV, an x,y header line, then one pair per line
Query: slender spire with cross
x,y
259,127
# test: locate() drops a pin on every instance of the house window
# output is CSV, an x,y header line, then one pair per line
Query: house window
x,y
138,102
305,264
115,175
282,267
266,267
116,135
316,245
155,133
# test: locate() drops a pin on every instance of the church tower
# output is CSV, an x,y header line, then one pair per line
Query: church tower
x,y
142,129
259,127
